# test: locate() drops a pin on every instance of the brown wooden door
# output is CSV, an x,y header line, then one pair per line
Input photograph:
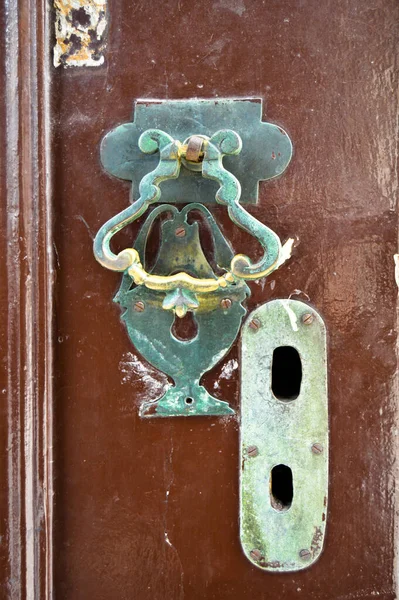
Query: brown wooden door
x,y
97,503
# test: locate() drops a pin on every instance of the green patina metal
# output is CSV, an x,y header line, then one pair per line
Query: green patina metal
x,y
150,329
275,432
293,433
222,143
267,149
182,279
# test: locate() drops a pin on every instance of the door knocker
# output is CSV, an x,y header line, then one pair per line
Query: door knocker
x,y
182,279
176,151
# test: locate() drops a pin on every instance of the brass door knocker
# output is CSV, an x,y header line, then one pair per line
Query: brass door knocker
x,y
283,430
213,297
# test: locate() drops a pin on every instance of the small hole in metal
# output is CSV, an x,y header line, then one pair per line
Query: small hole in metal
x,y
185,328
189,400
281,487
286,373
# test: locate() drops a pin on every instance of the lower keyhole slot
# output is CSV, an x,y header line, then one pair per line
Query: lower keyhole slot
x,y
281,488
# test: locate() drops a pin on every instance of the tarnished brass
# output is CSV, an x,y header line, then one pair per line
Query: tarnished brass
x,y
183,279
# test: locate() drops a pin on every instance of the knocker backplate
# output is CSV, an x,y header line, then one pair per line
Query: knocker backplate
x,y
265,154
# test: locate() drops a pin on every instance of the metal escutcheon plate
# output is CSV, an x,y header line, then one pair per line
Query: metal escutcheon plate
x,y
284,436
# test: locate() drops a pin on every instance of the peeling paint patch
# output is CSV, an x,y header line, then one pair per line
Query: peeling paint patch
x,y
79,30
154,383
396,260
227,372
291,315
286,252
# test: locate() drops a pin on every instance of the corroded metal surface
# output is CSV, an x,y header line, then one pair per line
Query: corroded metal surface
x,y
150,328
290,432
80,27
267,149
214,298
223,142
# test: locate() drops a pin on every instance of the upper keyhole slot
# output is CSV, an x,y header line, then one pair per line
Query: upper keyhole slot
x,y
286,373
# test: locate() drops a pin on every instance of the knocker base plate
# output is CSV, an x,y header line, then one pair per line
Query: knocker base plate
x,y
218,317
191,400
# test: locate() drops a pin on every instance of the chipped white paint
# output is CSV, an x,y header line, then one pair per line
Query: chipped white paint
x,y
291,315
297,292
286,252
79,30
227,371
133,370
396,260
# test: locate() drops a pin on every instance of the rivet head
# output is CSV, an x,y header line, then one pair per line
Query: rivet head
x,y
305,554
180,232
139,306
256,554
307,319
317,448
252,451
254,324
225,303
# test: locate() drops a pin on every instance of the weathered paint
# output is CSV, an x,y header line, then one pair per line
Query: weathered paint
x,y
283,433
328,70
80,27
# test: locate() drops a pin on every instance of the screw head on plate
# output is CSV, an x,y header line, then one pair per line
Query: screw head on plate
x,y
305,554
256,554
307,319
252,451
180,232
225,303
317,448
254,324
139,306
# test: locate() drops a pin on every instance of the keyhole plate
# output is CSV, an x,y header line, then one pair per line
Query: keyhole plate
x,y
284,436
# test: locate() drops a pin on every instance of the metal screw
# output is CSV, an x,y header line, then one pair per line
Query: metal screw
x,y
139,306
225,303
252,451
256,554
255,324
180,232
305,554
307,319
317,448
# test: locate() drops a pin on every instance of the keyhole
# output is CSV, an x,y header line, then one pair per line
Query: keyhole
x,y
281,487
185,328
286,373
